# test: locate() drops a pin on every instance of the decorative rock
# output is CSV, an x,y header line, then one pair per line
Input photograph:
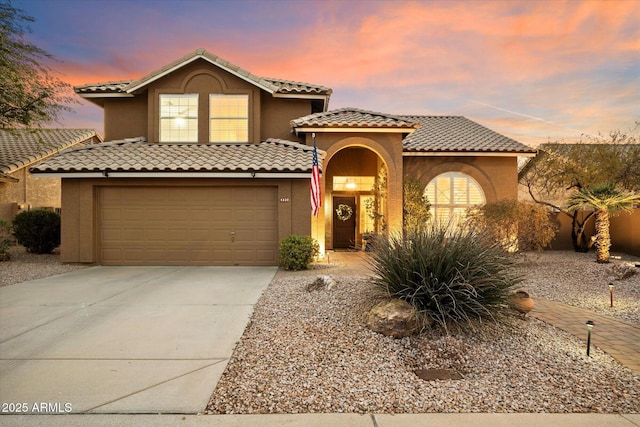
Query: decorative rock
x,y
623,271
395,318
321,282
521,301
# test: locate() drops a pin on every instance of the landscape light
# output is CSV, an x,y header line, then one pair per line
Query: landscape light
x,y
589,328
611,293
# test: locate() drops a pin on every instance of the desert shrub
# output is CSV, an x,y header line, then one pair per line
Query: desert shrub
x,y
449,277
38,230
516,225
297,252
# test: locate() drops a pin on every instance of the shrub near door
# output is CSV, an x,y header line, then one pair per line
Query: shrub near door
x,y
297,252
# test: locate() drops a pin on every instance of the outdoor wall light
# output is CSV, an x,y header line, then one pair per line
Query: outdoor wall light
x,y
589,328
611,293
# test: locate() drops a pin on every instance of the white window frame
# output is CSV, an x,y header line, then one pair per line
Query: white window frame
x,y
187,119
215,120
454,211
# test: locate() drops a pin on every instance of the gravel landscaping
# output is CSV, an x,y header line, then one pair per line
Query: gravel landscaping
x,y
25,266
311,352
576,279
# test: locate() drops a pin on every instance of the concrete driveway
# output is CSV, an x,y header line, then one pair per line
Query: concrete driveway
x,y
123,339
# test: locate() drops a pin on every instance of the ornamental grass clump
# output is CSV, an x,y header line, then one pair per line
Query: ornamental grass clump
x,y
449,277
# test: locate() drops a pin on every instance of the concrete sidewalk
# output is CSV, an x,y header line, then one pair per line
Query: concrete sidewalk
x,y
330,420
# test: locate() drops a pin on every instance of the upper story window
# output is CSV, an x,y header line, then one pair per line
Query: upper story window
x,y
451,194
229,118
179,118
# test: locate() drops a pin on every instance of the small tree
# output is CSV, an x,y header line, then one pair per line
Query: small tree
x,y
415,206
375,205
592,162
603,200
30,95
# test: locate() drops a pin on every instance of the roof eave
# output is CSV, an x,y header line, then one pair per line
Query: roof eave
x,y
332,129
156,174
105,95
424,153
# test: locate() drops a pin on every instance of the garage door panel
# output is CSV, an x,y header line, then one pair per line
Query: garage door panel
x,y
188,225
265,255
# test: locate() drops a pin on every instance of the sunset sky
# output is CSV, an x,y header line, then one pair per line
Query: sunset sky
x,y
535,71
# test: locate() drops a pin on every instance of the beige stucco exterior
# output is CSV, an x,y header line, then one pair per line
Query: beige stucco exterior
x,y
349,150
138,115
80,237
497,176
624,230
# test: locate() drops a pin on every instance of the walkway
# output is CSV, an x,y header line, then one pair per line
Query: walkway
x,y
618,339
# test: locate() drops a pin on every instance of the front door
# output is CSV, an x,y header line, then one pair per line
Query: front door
x,y
344,222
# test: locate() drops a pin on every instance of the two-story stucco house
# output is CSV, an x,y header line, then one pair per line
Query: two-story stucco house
x,y
208,164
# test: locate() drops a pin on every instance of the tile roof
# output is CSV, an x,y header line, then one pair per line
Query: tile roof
x,y
354,118
20,148
106,87
137,155
268,84
458,134
290,86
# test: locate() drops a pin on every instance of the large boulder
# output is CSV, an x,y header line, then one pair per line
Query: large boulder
x,y
395,318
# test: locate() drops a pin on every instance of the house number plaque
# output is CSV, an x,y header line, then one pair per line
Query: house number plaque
x,y
284,200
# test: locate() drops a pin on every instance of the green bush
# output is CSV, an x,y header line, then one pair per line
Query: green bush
x,y
297,252
38,230
449,277
5,241
516,225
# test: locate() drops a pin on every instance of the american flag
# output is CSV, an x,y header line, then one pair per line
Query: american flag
x,y
316,193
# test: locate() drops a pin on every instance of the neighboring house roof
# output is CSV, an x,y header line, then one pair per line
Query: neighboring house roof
x,y
457,134
136,156
20,148
273,86
354,118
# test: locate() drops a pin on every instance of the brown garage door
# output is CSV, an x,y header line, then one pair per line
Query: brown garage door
x,y
188,226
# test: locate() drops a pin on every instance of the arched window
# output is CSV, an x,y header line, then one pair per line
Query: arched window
x,y
450,195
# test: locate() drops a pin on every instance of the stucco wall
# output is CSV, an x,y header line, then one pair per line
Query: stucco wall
x,y
29,191
625,232
498,176
385,148
139,116
79,217
278,112
125,118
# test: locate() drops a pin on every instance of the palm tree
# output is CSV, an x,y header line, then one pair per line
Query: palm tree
x,y
603,200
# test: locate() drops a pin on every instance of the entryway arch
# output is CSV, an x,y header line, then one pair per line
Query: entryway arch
x,y
359,180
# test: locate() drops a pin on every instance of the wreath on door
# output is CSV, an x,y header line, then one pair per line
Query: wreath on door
x,y
344,212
